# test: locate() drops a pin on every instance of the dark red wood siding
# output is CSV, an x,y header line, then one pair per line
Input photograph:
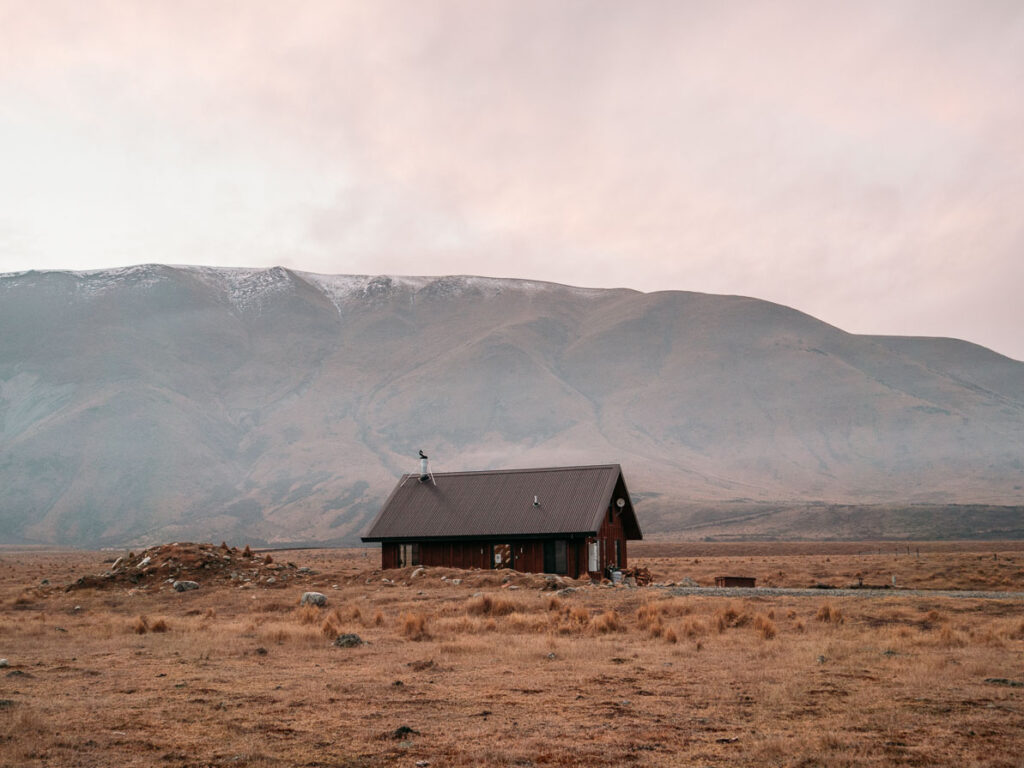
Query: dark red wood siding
x,y
527,555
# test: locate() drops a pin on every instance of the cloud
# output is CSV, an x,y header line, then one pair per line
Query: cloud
x,y
863,163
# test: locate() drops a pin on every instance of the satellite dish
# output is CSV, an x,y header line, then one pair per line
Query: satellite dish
x,y
620,503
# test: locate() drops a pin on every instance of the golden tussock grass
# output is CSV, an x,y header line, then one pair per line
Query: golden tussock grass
x,y
414,625
488,605
828,613
749,681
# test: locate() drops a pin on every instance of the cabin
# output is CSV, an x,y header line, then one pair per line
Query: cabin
x,y
574,521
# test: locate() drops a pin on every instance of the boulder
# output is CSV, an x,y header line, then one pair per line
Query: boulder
x,y
313,598
185,586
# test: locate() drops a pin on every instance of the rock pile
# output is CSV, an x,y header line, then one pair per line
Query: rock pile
x,y
184,564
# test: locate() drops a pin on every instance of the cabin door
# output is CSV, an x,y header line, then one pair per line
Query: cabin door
x,y
554,557
501,556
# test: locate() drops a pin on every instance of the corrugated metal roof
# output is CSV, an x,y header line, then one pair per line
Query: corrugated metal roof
x,y
500,503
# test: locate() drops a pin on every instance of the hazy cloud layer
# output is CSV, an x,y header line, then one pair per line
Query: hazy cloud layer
x,y
862,162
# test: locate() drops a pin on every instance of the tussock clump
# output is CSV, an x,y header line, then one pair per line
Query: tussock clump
x,y
950,638
670,636
647,615
765,626
606,622
692,628
486,605
414,625
141,625
574,620
308,614
1017,633
730,617
378,619
829,614
554,604
160,625
525,622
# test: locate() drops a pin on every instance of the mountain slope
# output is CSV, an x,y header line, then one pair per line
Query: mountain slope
x,y
159,402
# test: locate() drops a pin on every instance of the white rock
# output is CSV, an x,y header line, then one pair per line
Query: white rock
x,y
313,598
185,586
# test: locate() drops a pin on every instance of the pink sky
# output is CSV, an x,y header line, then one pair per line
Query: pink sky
x,y
863,162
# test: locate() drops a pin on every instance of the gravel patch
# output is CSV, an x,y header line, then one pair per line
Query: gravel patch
x,y
865,593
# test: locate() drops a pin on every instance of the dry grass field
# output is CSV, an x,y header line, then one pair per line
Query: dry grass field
x,y
464,668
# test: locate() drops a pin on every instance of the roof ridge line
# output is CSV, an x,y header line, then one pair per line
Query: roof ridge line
x,y
518,471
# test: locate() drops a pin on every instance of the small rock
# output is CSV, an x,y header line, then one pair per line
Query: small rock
x,y
348,640
552,656
821,659
44,582
422,763
18,673
117,564
313,598
417,572
272,580
185,586
144,562
4,663
1004,681
565,592
456,582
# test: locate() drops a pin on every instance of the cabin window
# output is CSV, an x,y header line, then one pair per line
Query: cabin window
x,y
408,554
501,556
593,555
554,557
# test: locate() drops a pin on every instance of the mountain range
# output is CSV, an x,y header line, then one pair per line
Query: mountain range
x,y
158,403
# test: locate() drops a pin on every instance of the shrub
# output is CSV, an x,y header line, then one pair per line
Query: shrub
x,y
141,625
160,625
670,636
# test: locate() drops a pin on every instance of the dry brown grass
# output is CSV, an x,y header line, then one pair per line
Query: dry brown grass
x,y
600,677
